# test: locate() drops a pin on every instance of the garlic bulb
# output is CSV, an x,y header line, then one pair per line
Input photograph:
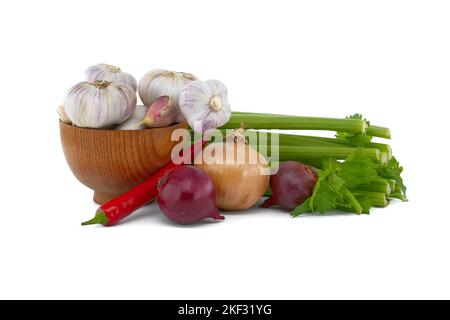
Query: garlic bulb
x,y
205,104
99,104
157,83
62,115
103,71
135,122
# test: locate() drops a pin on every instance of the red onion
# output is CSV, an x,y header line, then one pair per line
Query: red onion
x,y
187,195
291,185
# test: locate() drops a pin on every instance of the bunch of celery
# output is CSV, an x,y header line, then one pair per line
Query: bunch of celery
x,y
355,173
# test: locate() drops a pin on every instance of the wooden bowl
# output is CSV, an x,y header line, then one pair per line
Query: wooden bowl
x,y
111,162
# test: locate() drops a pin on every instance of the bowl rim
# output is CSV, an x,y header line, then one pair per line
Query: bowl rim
x,y
114,130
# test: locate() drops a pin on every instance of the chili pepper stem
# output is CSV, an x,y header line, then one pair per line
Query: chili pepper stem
x,y
99,218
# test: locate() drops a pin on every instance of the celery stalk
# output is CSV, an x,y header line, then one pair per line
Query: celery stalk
x,y
398,194
291,139
354,202
381,186
376,131
286,122
392,185
378,199
303,154
381,146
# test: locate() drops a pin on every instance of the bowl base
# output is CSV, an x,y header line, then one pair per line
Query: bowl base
x,y
101,197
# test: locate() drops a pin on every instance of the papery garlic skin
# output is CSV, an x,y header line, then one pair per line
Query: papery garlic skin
x,y
99,104
62,115
205,103
103,71
135,122
158,82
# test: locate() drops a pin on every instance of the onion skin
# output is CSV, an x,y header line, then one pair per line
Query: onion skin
x,y
186,195
238,185
291,185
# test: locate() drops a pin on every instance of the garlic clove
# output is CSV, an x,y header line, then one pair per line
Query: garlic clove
x,y
135,122
103,71
63,115
205,105
161,113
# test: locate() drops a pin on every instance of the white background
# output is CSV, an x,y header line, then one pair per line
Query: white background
x,y
389,60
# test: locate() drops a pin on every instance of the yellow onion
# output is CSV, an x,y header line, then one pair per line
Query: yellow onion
x,y
239,173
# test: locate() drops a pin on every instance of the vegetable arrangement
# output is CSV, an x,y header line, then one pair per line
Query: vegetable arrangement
x,y
303,174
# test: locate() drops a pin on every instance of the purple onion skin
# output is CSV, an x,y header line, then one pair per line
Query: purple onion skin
x,y
291,185
187,195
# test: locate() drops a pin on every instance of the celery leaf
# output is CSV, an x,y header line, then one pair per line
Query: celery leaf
x,y
392,171
355,139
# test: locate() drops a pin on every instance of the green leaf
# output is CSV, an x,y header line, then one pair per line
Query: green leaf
x,y
302,209
356,140
332,192
365,202
326,197
351,199
392,171
358,169
336,182
327,191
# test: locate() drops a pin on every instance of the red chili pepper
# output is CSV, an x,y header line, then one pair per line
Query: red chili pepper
x,y
118,208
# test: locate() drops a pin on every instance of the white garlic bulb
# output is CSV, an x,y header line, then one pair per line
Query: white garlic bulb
x,y
103,71
158,82
135,122
205,104
99,104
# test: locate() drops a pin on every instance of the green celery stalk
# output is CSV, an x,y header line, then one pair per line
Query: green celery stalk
x,y
381,146
310,153
381,186
278,121
385,148
354,202
326,148
311,141
392,185
296,140
286,122
398,194
292,139
384,157
378,198
376,131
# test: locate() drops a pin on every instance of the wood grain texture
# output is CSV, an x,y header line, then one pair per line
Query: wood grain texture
x,y
111,162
